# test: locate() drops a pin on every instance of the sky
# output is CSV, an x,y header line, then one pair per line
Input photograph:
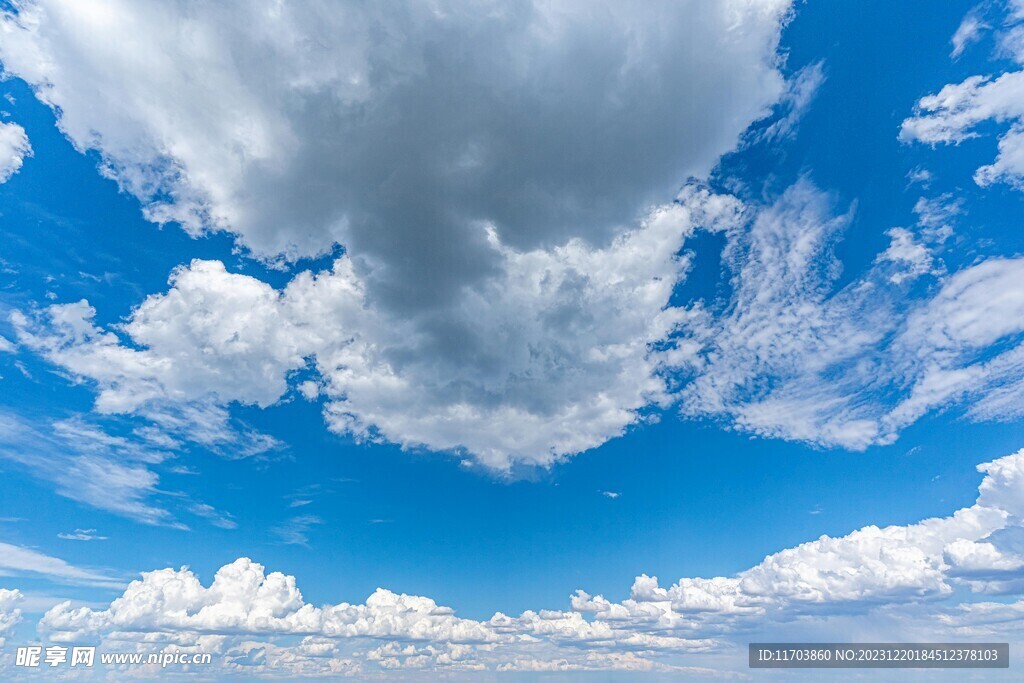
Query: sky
x,y
509,340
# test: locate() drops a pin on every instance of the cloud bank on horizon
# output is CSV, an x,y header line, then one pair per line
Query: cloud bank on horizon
x,y
880,581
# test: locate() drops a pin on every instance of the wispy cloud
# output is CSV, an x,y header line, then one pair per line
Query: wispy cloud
x,y
20,561
295,530
81,535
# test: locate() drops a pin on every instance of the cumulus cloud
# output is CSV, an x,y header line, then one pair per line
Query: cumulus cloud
x,y
499,176
10,613
557,353
397,130
573,345
14,147
822,584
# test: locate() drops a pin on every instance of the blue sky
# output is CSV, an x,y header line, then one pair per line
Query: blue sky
x,y
482,351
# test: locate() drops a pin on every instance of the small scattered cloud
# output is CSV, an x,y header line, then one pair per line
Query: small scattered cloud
x,y
81,535
295,530
968,32
14,148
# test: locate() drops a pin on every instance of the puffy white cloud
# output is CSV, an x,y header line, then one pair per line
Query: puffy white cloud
x,y
557,353
14,147
567,347
246,612
911,256
504,279
951,115
10,613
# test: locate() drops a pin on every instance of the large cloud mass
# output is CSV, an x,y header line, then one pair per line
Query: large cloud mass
x,y
552,357
399,130
500,176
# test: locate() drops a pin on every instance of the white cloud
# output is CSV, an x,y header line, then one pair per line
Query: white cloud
x,y
81,535
554,355
782,359
869,580
954,113
966,343
801,90
968,32
90,465
911,257
10,613
792,356
569,347
20,561
14,147
504,273
295,530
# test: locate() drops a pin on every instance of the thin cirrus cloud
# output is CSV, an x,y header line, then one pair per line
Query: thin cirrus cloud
x,y
20,561
902,578
102,470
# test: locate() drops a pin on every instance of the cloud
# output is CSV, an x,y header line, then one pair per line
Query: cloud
x,y
576,344
294,531
790,355
91,465
869,579
801,90
20,561
14,147
81,535
968,32
954,113
560,352
504,199
87,465
10,614
321,124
